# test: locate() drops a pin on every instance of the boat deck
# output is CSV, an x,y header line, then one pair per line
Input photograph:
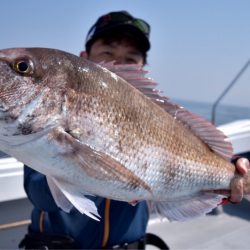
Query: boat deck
x,y
228,230
14,218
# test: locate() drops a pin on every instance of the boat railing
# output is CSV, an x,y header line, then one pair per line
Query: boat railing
x,y
225,91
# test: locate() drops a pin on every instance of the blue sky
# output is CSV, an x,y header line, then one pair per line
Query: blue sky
x,y
197,46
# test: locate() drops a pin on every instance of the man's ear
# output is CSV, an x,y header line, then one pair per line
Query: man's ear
x,y
83,54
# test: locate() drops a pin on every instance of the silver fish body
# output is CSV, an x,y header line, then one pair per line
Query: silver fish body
x,y
90,131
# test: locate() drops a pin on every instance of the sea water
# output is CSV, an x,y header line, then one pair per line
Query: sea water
x,y
224,113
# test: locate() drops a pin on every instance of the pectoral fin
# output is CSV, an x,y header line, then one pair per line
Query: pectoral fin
x,y
103,166
96,164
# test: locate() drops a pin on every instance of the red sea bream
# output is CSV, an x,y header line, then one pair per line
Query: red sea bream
x,y
104,130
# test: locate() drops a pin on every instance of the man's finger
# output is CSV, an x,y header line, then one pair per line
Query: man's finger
x,y
242,165
237,190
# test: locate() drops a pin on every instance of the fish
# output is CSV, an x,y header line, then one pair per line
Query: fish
x,y
106,130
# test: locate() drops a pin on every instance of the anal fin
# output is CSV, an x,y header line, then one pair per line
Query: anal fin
x,y
187,207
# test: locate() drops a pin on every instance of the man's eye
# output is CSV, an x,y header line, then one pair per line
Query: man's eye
x,y
108,53
131,61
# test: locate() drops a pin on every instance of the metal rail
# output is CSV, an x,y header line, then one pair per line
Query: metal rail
x,y
236,78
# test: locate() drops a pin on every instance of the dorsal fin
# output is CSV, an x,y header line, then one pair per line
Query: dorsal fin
x,y
135,75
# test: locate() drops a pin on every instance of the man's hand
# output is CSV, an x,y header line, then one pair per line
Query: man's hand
x,y
237,184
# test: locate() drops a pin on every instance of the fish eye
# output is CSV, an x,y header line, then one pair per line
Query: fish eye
x,y
23,66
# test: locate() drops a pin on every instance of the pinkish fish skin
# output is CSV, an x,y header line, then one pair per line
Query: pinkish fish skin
x,y
91,131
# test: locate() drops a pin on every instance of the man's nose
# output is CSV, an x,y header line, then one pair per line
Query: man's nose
x,y
119,60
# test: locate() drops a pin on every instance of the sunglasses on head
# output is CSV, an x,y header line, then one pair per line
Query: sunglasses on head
x,y
125,19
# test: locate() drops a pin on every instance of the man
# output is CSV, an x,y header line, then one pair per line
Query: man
x,y
118,37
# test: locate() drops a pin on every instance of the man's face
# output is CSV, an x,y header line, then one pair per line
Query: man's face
x,y
121,52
